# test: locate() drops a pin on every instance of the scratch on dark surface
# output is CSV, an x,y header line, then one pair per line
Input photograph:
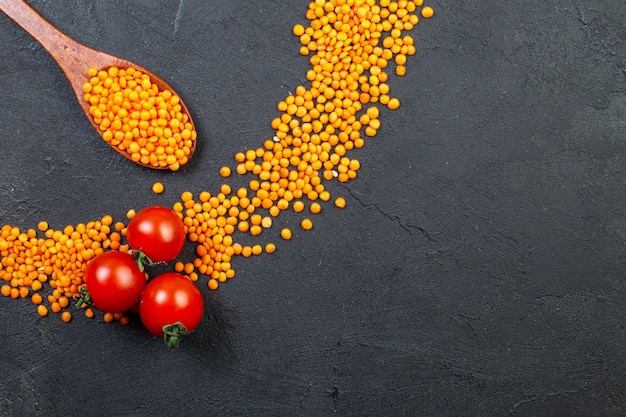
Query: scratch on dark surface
x,y
179,13
581,16
395,219
468,321
335,395
573,232
536,397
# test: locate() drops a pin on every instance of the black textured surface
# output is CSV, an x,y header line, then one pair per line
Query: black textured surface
x,y
479,268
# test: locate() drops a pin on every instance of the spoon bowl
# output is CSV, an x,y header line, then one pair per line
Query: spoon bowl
x,y
75,59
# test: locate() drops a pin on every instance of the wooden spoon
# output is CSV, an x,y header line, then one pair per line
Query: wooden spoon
x,y
75,58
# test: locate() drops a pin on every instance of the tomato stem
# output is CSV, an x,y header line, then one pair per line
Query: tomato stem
x,y
142,260
172,334
84,298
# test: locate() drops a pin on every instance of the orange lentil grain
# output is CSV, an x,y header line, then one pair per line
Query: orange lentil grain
x,y
66,316
427,12
36,298
306,224
257,250
298,206
270,248
393,104
225,171
158,187
315,208
42,310
55,307
285,233
5,290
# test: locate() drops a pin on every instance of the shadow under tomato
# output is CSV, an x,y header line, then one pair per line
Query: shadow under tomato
x,y
213,334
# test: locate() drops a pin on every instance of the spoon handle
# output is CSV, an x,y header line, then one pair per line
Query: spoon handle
x,y
73,57
55,42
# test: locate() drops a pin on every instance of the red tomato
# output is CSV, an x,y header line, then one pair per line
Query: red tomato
x,y
114,281
170,307
158,232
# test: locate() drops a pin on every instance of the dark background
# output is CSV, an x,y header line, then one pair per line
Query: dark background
x,y
478,270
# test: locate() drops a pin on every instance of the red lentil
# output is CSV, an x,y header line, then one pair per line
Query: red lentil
x,y
138,119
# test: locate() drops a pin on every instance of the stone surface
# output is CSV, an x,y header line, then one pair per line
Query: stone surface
x,y
478,269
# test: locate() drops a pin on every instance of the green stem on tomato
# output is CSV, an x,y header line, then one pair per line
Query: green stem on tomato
x,y
172,334
84,299
142,259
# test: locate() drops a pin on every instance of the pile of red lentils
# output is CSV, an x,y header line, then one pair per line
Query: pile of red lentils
x,y
139,120
352,46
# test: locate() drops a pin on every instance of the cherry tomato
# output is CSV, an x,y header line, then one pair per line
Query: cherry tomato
x,y
114,281
158,232
170,307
